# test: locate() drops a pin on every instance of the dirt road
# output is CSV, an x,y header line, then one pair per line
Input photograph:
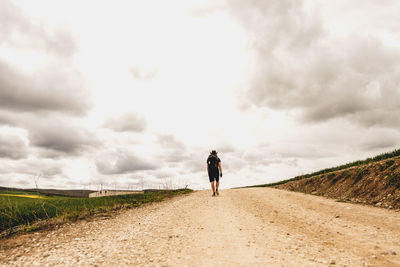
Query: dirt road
x,y
246,227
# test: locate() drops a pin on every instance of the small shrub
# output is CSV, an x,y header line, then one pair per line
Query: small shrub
x,y
345,174
393,180
394,167
331,175
389,163
32,228
361,172
73,216
334,180
309,181
382,167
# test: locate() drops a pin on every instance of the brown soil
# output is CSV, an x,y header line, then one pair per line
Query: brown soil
x,y
374,184
244,227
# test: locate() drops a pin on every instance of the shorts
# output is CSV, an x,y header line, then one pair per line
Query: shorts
x,y
213,175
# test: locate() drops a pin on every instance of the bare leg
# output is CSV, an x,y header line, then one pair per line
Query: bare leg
x,y
213,186
217,185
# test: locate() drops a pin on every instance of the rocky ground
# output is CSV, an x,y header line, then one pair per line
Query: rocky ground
x,y
242,227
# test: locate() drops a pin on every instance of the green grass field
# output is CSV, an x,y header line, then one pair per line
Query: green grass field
x,y
25,208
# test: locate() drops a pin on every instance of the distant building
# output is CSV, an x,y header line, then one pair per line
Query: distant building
x,y
104,193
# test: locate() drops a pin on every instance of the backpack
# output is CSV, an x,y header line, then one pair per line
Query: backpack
x,y
212,161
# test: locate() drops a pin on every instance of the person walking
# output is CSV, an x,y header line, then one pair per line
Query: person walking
x,y
214,170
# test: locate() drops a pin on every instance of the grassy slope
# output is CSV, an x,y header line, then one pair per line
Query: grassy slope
x,y
16,211
380,157
376,183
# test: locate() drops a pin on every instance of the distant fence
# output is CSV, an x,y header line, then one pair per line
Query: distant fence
x,y
104,193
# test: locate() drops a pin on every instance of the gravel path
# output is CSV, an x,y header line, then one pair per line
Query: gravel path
x,y
244,227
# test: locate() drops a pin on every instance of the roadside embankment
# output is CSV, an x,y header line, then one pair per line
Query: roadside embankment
x,y
376,183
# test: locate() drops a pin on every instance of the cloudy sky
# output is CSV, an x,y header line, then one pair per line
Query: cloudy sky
x,y
133,94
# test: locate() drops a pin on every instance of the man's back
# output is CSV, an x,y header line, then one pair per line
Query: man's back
x,y
212,162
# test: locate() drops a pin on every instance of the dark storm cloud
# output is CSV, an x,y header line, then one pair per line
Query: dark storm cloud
x,y
12,147
55,89
18,30
128,122
124,161
301,68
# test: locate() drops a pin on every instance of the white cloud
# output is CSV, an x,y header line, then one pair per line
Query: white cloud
x,y
302,67
128,122
124,161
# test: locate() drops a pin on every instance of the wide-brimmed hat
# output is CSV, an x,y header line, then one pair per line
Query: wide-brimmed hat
x,y
213,152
